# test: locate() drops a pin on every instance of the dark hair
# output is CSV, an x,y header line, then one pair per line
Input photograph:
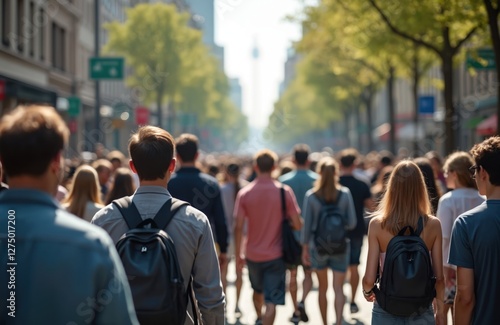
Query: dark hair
x,y
430,182
30,138
386,157
151,150
123,185
233,170
187,147
348,157
301,153
487,155
265,160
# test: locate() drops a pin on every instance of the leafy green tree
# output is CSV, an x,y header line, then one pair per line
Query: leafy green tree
x,y
443,27
493,10
158,44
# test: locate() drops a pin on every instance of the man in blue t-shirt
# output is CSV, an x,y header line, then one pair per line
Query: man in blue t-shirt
x,y
300,180
475,243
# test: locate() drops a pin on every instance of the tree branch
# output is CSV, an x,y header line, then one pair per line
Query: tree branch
x,y
401,33
456,48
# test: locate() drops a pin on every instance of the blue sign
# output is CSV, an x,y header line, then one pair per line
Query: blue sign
x,y
426,105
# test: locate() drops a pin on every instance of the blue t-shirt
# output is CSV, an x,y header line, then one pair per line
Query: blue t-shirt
x,y
300,181
475,244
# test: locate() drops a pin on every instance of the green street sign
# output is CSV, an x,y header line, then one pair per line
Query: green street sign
x,y
482,59
74,104
106,68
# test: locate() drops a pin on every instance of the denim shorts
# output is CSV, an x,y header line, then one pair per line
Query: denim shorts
x,y
337,263
269,278
381,317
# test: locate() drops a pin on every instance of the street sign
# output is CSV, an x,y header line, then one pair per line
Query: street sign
x,y
106,68
426,105
74,104
482,59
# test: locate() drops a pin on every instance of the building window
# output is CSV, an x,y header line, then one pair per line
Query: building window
x,y
6,19
41,23
20,22
58,47
32,29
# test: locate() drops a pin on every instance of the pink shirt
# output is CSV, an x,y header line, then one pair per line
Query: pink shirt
x,y
260,203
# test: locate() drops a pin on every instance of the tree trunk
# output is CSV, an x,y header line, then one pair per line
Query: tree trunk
x,y
447,70
416,81
369,119
495,38
358,128
346,127
392,111
159,99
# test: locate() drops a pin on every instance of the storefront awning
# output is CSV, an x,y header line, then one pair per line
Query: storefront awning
x,y
488,126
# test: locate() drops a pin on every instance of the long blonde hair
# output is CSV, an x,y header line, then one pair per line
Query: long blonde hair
x,y
85,188
405,199
327,184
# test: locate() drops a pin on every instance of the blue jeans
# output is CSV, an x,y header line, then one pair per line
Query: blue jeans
x,y
381,317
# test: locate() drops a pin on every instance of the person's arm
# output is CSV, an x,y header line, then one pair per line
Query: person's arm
x,y
207,283
293,210
351,211
238,232
305,234
461,256
220,221
465,299
372,260
437,266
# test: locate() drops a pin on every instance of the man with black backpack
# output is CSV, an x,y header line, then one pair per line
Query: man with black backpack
x,y
151,216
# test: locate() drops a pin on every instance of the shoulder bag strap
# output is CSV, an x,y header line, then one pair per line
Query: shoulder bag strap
x,y
283,203
129,211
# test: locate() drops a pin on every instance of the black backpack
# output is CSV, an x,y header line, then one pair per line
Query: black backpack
x,y
407,286
150,262
330,234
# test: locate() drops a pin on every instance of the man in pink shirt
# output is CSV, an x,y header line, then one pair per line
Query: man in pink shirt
x,y
259,204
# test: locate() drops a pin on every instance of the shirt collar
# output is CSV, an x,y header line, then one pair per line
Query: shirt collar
x,y
29,195
153,190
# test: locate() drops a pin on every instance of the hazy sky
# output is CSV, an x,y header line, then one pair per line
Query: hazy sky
x,y
240,24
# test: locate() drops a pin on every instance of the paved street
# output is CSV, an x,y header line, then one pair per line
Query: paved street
x,y
283,314
363,317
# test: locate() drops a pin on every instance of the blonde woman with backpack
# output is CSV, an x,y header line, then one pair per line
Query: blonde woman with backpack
x,y
327,190
405,203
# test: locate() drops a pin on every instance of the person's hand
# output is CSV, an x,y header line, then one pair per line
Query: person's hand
x,y
306,258
450,276
222,260
370,297
240,261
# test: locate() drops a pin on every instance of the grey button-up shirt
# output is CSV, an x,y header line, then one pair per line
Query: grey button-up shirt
x,y
190,230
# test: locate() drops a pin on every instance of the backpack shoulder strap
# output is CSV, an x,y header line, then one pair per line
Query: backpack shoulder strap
x,y
129,211
420,226
167,212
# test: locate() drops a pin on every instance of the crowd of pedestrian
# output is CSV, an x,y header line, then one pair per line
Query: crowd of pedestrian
x,y
69,225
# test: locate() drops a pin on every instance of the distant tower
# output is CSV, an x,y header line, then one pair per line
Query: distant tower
x,y
256,93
